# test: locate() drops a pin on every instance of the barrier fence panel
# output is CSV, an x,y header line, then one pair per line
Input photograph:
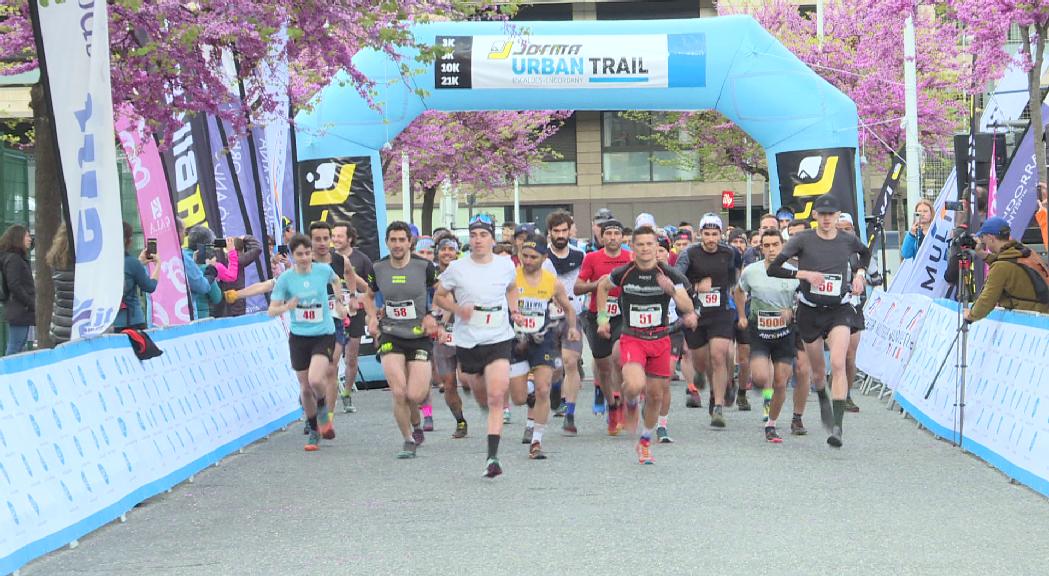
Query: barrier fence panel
x,y
1005,420
87,430
893,323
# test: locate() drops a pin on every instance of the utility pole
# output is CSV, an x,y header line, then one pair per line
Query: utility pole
x,y
910,78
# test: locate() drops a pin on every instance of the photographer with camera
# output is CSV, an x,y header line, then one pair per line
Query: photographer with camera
x,y
919,229
1017,277
963,243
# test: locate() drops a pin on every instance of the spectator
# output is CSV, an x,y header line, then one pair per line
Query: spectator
x,y
20,301
1008,283
198,284
62,269
919,229
200,240
239,254
1041,216
131,313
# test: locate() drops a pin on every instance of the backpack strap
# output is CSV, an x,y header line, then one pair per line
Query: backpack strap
x,y
1041,289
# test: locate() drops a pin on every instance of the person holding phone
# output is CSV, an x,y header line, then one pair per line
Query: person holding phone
x,y
919,229
136,279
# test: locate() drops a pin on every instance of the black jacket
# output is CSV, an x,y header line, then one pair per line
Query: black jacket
x,y
62,316
20,308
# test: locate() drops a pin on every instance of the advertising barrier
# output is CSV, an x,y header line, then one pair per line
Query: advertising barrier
x,y
1005,420
893,323
87,430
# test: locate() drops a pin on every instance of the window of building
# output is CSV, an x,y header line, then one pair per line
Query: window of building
x,y
627,155
558,168
652,10
544,12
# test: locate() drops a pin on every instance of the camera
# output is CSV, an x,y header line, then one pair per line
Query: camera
x,y
963,239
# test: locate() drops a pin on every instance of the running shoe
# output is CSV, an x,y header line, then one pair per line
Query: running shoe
x,y
772,436
797,428
717,419
418,436
347,404
851,406
630,417
313,442
599,401
506,415
428,424
460,430
835,437
662,436
826,412
535,452
326,426
692,398
568,426
562,409
306,428
644,451
742,402
407,451
710,402
527,438
492,468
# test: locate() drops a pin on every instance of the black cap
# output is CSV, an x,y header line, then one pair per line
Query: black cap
x,y
526,228
603,215
826,204
611,223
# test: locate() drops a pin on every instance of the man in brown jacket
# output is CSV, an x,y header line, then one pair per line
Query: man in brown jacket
x,y
1008,284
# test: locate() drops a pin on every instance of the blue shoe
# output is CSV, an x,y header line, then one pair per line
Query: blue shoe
x,y
599,401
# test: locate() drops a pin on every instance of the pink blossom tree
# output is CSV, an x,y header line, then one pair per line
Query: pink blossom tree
x,y
481,150
862,55
987,23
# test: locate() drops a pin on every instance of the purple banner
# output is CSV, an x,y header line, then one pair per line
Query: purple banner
x,y
1018,192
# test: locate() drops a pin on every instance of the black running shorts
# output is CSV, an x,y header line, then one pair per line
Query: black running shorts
x,y
816,322
304,348
474,360
602,347
413,349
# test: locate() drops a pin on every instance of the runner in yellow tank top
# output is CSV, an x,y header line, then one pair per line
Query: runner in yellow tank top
x,y
543,304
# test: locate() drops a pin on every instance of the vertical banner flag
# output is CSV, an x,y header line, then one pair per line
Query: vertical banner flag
x,y
191,177
992,184
805,175
170,303
1017,197
888,191
340,190
273,139
73,46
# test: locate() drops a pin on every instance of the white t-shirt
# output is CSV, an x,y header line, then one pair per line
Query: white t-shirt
x,y
484,286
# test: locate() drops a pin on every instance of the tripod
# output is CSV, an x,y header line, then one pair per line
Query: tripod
x,y
962,333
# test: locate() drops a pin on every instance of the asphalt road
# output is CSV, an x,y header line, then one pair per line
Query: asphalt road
x,y
894,500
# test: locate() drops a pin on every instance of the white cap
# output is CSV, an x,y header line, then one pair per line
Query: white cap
x,y
644,219
710,220
846,217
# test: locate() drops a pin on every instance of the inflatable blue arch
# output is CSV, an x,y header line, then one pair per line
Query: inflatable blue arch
x,y
730,64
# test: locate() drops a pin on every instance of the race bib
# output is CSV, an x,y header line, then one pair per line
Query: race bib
x,y
646,315
771,322
488,316
449,339
402,310
556,311
612,306
312,315
831,286
530,324
331,304
710,299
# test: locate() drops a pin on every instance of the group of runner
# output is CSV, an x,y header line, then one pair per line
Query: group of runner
x,y
509,328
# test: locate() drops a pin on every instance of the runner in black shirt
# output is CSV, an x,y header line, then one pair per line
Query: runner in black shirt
x,y
644,347
712,270
344,238
825,310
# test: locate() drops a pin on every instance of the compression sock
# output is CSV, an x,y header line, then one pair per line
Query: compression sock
x,y
839,411
458,414
570,408
493,445
822,393
766,394
537,434
313,422
530,424
663,421
427,411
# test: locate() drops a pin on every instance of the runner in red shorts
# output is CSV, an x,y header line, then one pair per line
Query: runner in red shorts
x,y
644,347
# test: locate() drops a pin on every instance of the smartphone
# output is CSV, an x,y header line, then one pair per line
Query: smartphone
x,y
954,206
282,249
219,243
151,246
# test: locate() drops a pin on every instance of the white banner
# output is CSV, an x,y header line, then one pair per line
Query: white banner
x,y
74,37
272,80
1006,403
572,61
87,430
893,323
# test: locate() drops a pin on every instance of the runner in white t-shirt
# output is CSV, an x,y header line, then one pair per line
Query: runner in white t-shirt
x,y
481,291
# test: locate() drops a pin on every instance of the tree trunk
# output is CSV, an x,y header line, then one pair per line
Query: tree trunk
x,y
49,203
1034,77
426,226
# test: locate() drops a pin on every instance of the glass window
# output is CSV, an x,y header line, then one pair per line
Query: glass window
x,y
627,155
558,167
